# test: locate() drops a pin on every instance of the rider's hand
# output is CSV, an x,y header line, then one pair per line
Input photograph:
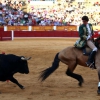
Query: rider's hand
x,y
88,38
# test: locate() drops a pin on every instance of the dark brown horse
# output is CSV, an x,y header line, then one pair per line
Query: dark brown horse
x,y
72,57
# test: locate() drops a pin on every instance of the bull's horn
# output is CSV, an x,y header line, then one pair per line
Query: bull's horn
x,y
23,58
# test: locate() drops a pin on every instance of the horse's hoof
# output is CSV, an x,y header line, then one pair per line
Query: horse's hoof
x,y
98,91
23,88
81,82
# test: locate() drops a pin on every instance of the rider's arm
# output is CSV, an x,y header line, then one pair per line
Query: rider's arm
x,y
81,33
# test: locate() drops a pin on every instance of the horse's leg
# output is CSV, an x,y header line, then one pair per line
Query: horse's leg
x,y
98,91
69,72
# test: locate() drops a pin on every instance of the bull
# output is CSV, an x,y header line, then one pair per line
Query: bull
x,y
11,64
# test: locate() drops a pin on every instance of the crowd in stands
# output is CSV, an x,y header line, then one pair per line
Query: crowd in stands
x,y
64,13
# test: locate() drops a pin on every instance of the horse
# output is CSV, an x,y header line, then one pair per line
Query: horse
x,y
72,56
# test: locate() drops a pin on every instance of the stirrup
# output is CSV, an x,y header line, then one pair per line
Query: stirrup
x,y
91,65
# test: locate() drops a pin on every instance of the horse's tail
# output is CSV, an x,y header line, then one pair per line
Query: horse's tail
x,y
45,73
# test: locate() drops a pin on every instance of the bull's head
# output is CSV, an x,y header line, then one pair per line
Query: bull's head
x,y
24,65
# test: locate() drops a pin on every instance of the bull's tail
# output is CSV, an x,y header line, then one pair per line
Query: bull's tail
x,y
45,73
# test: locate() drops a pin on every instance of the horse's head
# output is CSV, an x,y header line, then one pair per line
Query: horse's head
x,y
97,42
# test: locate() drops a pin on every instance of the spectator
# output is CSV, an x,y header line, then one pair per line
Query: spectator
x,y
57,14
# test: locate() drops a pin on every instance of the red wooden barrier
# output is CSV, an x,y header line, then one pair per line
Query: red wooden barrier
x,y
74,34
1,29
45,34
5,35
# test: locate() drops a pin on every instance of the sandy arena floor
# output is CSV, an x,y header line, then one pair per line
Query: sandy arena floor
x,y
58,86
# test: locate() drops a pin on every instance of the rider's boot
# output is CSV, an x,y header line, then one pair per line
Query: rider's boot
x,y
90,61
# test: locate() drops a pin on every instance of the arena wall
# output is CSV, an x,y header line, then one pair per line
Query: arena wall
x,y
45,34
8,32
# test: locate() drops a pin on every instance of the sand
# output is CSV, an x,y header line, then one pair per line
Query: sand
x,y
56,87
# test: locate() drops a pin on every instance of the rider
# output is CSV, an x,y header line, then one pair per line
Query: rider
x,y
86,33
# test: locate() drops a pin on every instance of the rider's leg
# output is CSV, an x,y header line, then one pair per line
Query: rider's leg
x,y
93,53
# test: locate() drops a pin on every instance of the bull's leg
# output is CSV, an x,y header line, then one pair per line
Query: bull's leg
x,y
12,79
70,73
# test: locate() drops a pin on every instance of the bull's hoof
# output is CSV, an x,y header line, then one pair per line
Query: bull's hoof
x,y
98,91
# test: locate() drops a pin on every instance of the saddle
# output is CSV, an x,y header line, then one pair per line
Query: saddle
x,y
86,51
